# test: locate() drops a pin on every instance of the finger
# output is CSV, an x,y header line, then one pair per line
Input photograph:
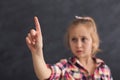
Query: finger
x,y
28,41
29,37
32,33
37,24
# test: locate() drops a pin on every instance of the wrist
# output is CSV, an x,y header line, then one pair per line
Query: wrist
x,y
38,52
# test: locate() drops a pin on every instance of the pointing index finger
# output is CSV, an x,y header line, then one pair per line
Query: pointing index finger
x,y
37,24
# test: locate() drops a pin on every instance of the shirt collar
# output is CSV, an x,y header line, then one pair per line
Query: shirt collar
x,y
75,61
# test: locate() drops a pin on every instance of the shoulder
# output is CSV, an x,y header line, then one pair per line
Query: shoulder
x,y
102,64
62,63
103,67
105,71
65,63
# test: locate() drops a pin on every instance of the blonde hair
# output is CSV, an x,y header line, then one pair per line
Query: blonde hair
x,y
91,26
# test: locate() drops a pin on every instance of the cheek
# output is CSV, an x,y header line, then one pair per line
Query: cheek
x,y
88,46
71,46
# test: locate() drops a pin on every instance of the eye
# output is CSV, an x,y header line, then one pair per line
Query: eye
x,y
74,39
83,39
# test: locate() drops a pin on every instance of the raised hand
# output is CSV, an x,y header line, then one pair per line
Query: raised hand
x,y
34,38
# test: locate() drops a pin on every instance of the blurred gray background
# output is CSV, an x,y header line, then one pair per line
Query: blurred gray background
x,y
16,19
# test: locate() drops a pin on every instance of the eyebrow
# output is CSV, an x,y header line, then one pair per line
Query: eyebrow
x,y
79,36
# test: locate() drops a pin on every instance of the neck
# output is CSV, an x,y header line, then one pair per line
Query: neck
x,y
88,64
86,61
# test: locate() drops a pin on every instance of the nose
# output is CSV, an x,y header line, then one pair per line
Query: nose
x,y
79,44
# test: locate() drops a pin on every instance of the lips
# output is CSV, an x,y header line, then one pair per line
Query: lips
x,y
79,51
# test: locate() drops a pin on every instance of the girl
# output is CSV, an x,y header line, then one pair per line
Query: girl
x,y
83,40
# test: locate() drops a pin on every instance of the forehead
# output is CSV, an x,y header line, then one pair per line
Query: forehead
x,y
79,30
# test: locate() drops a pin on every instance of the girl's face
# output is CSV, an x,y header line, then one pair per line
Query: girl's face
x,y
80,41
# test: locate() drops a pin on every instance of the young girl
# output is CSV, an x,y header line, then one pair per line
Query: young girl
x,y
83,40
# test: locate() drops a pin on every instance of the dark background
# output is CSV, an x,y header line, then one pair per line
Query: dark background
x,y
16,19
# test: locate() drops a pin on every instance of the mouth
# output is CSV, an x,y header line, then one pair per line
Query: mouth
x,y
79,51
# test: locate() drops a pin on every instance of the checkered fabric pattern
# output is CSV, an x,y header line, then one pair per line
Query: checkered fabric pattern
x,y
72,69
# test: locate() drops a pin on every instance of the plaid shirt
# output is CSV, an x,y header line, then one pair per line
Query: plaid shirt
x,y
72,69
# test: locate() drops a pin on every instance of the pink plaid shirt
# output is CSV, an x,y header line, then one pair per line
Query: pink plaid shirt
x,y
72,69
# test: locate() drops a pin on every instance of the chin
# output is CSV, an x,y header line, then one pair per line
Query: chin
x,y
81,56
